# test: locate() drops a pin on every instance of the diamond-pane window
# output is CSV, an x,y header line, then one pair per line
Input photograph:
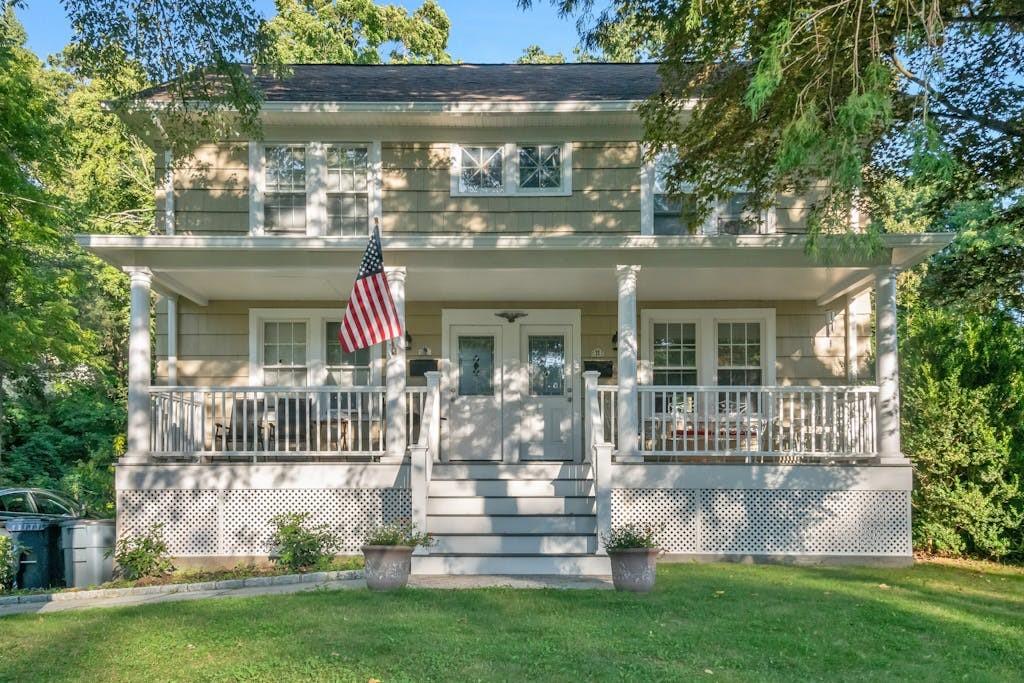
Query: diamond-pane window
x,y
481,169
540,167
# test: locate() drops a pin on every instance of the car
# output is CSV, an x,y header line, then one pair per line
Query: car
x,y
30,502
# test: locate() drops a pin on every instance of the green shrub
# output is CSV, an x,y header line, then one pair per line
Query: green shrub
x,y
10,554
401,532
299,545
143,555
631,536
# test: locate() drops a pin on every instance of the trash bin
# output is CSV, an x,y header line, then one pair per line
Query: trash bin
x,y
86,544
36,564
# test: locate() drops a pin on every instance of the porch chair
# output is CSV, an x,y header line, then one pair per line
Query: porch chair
x,y
244,431
289,427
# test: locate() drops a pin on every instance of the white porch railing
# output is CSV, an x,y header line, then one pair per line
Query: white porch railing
x,y
268,422
751,421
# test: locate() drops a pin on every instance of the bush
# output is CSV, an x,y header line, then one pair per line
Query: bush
x,y
401,532
143,555
299,545
10,554
630,536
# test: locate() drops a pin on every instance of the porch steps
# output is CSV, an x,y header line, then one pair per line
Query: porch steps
x,y
529,518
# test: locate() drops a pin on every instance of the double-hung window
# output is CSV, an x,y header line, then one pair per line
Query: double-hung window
x,y
509,169
284,198
673,214
284,356
348,201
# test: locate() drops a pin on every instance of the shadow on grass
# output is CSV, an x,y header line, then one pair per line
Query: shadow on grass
x,y
737,621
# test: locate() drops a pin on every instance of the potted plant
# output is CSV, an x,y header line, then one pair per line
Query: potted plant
x,y
632,552
388,554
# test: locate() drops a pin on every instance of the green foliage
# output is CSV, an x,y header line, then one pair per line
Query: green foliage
x,y
355,31
300,545
629,536
400,532
145,555
10,556
534,54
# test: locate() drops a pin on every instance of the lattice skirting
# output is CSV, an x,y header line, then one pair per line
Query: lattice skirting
x,y
236,522
771,522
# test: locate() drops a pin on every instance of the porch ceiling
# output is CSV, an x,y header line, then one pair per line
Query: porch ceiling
x,y
507,268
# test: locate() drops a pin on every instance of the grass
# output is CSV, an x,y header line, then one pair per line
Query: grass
x,y
935,621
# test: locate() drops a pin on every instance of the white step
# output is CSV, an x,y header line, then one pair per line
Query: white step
x,y
512,524
512,488
518,471
551,544
562,565
510,506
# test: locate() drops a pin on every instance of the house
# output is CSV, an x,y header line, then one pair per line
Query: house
x,y
578,352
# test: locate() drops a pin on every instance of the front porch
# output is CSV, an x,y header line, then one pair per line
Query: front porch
x,y
525,415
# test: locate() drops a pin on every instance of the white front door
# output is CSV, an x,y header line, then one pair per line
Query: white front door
x,y
509,386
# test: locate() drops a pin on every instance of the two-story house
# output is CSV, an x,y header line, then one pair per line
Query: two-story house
x,y
578,351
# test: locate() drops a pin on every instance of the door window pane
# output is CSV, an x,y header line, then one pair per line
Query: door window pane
x,y
547,365
540,167
476,366
481,169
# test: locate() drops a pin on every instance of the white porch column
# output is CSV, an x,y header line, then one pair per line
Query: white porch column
x,y
394,372
172,341
139,355
887,367
627,342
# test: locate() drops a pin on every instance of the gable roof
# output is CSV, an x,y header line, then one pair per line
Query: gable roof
x,y
587,82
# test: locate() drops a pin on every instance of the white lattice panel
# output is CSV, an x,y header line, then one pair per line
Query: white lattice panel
x,y
762,522
672,511
237,522
189,518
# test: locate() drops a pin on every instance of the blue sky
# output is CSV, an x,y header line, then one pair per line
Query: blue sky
x,y
482,30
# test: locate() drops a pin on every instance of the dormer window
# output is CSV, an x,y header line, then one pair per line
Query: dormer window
x,y
511,169
284,202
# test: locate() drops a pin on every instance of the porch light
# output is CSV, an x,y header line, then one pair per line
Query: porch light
x,y
408,341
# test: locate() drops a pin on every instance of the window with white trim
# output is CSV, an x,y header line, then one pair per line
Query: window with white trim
x,y
511,169
348,197
345,369
738,354
675,353
734,216
284,196
284,357
673,215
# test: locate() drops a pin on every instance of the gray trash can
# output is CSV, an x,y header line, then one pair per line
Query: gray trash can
x,y
35,565
87,544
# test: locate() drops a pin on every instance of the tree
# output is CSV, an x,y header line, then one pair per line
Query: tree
x,y
356,31
796,92
534,54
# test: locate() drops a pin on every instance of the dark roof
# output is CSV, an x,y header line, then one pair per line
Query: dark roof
x,y
600,82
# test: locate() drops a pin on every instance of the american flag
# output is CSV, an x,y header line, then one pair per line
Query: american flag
x,y
370,317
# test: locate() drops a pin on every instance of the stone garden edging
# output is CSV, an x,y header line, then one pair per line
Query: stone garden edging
x,y
225,584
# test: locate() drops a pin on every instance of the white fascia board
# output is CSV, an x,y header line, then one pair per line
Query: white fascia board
x,y
482,107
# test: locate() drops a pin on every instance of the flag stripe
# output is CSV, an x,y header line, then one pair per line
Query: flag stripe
x,y
370,314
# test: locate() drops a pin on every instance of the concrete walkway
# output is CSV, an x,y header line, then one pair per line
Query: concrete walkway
x,y
435,582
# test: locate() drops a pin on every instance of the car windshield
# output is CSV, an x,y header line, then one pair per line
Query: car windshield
x,y
15,502
48,505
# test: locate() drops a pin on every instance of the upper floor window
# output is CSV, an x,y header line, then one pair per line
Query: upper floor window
x,y
284,200
511,169
672,215
348,202
314,188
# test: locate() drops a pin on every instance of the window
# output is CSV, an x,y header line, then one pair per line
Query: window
x,y
284,354
284,200
739,354
540,167
476,366
675,354
528,169
481,169
15,502
734,218
345,369
348,202
672,215
48,505
546,365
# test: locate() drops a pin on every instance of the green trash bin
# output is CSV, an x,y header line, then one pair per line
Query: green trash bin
x,y
35,566
87,545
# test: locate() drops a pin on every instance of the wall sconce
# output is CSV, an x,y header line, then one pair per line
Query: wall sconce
x,y
830,320
408,341
615,342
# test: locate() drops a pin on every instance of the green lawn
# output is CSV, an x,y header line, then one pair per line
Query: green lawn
x,y
931,622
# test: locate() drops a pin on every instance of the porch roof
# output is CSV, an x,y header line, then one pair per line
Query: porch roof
x,y
514,267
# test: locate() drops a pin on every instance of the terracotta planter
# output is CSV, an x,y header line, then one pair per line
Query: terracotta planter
x,y
633,569
387,566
